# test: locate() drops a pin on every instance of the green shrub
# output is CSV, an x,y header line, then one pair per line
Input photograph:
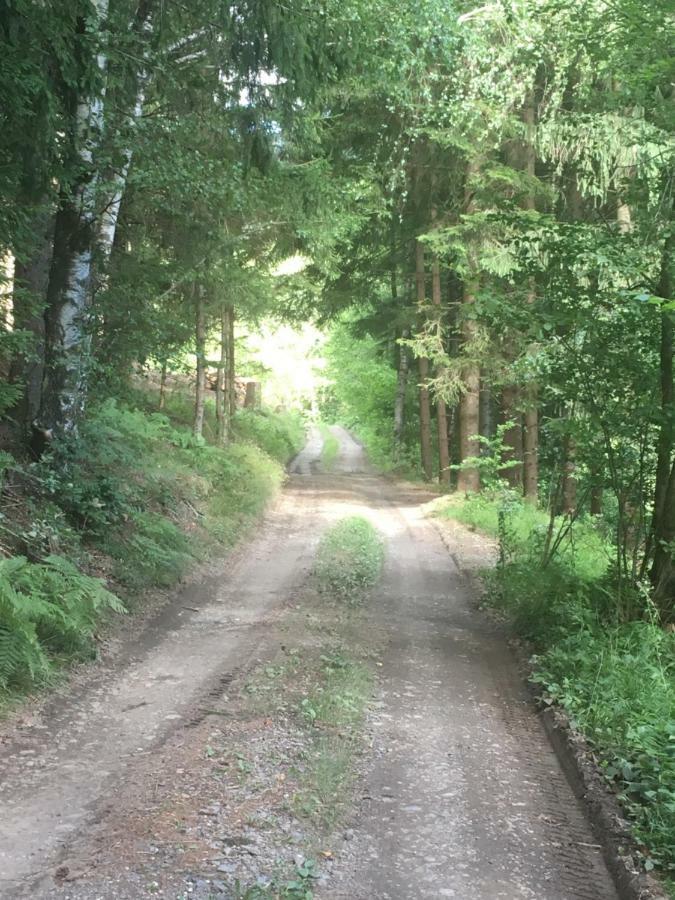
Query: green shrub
x,y
360,396
281,435
618,685
349,559
147,495
46,609
615,678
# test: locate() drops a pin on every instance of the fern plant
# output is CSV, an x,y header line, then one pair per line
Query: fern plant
x,y
45,608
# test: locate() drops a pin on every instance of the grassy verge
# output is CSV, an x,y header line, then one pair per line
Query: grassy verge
x,y
330,449
319,691
349,559
603,657
132,503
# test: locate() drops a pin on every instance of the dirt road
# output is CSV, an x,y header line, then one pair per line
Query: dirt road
x,y
461,796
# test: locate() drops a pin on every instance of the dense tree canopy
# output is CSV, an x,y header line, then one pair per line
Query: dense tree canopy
x,y
483,194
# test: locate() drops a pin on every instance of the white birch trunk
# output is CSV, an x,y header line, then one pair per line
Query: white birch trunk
x,y
70,283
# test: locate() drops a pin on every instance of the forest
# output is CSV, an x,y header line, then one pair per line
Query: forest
x,y
470,204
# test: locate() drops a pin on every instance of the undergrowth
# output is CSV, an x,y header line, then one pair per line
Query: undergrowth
x,y
318,690
600,653
349,559
329,450
131,503
47,609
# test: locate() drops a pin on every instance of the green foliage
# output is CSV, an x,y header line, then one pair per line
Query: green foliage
x,y
139,489
361,397
329,450
47,609
349,559
145,500
618,685
490,464
615,679
296,888
281,435
522,529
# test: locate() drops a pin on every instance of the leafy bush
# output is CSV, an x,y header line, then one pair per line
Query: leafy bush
x,y
521,528
281,435
616,679
148,496
618,685
349,559
46,609
361,397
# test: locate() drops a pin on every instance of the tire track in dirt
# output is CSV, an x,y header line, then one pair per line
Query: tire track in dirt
x,y
462,794
60,771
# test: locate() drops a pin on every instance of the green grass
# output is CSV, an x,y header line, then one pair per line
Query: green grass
x,y
334,704
329,450
135,500
319,689
281,435
524,527
604,659
349,559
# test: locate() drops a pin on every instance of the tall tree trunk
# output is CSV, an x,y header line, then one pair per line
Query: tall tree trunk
x,y
531,393
200,352
425,409
69,294
118,182
513,437
231,367
663,517
399,400
663,567
441,411
486,413
162,385
531,446
468,479
402,368
222,411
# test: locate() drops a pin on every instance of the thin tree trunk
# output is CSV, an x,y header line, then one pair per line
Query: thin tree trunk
x,y
468,479
200,352
111,213
531,393
162,385
231,367
118,182
663,568
402,368
425,409
441,410
399,400
663,518
596,499
513,437
69,294
531,446
222,417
